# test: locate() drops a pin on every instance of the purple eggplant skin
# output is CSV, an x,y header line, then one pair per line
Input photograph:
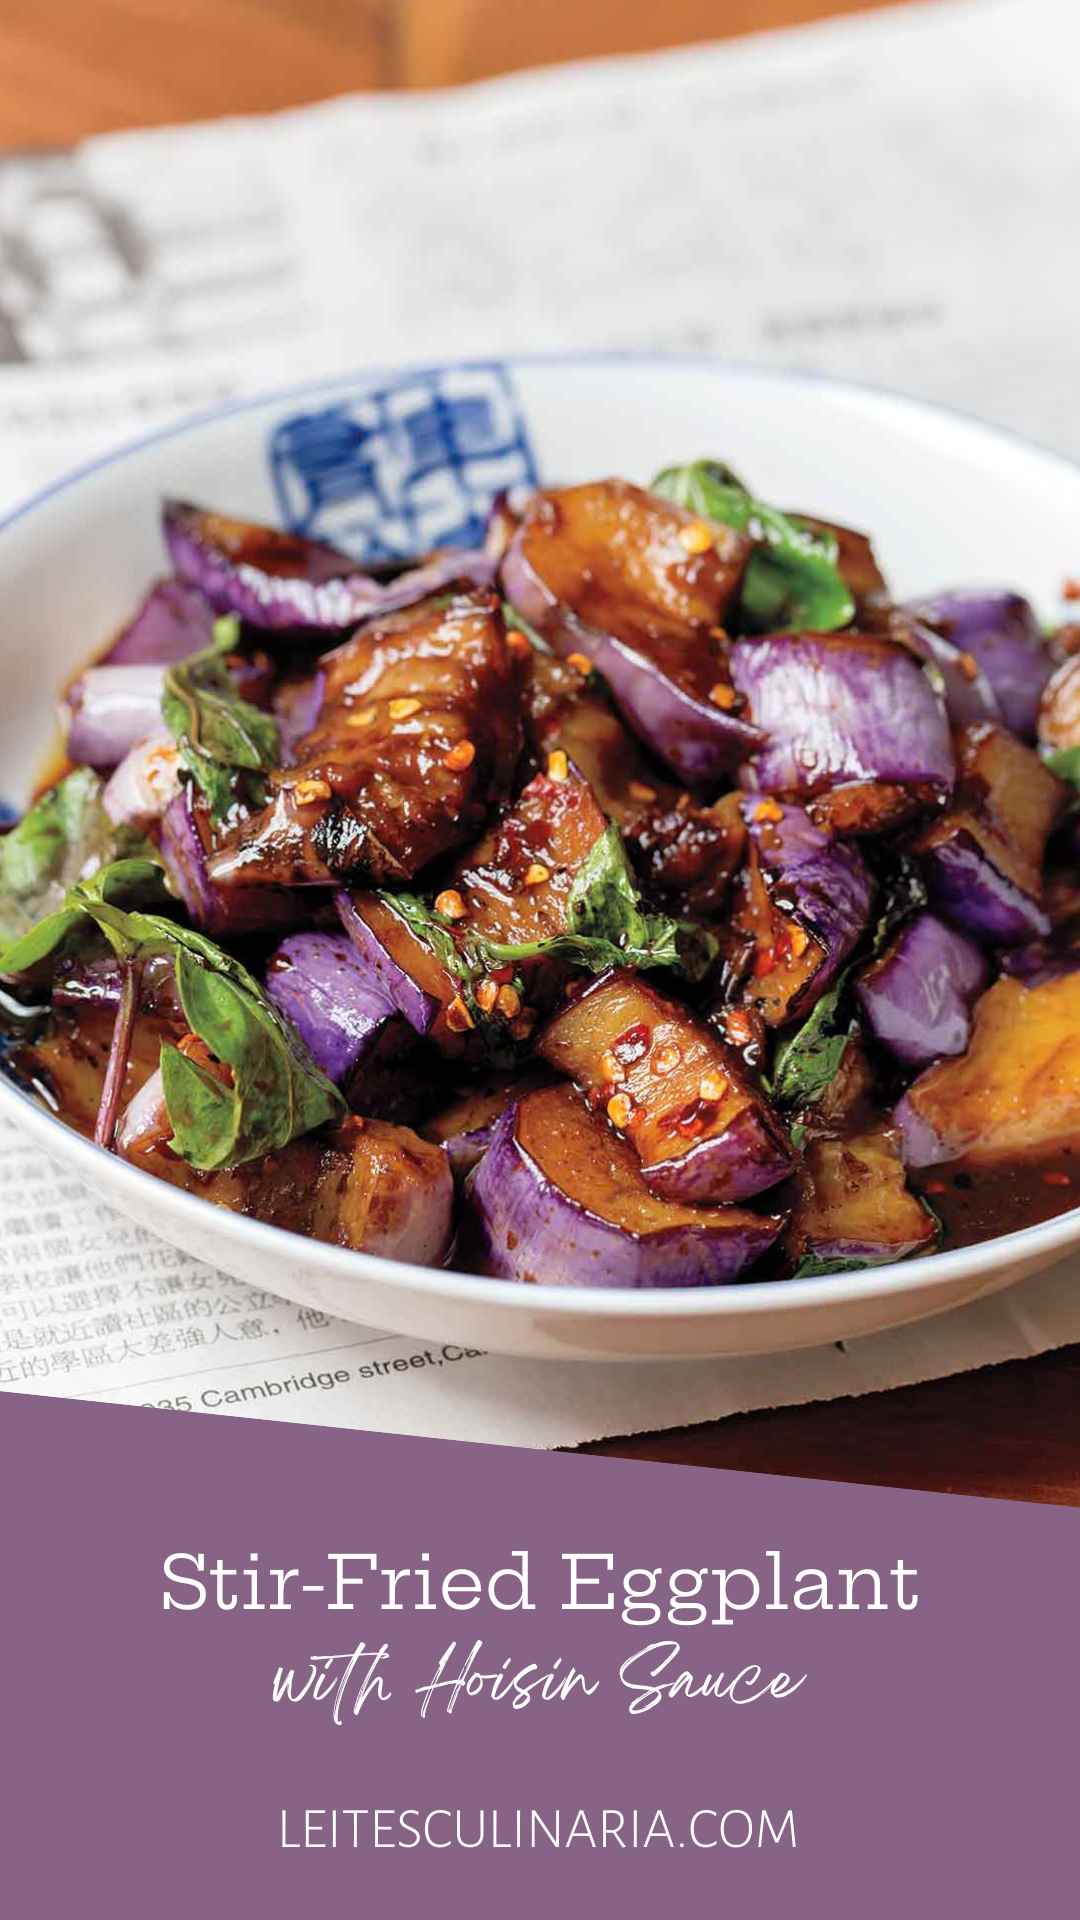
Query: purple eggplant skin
x,y
825,884
297,705
218,911
983,859
466,1150
701,741
280,582
750,1156
523,1225
110,710
918,996
967,691
968,887
999,631
921,1144
837,708
418,1008
350,1028
174,620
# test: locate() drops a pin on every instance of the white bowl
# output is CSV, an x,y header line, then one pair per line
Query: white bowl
x,y
412,455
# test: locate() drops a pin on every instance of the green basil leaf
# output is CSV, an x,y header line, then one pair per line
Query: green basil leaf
x,y
809,1060
1065,762
277,1091
201,1110
606,927
65,836
89,907
810,1266
792,579
225,743
433,931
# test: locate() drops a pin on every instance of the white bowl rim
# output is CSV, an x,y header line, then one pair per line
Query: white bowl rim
x,y
755,1298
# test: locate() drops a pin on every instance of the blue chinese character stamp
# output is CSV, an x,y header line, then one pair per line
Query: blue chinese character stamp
x,y
393,471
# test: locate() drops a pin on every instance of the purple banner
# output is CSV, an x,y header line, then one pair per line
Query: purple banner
x,y
262,1670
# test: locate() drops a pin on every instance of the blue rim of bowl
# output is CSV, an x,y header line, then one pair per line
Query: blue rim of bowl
x,y
752,1297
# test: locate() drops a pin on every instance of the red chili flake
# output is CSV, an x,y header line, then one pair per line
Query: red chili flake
x,y
632,1045
765,962
935,1186
1057,1179
501,974
1070,589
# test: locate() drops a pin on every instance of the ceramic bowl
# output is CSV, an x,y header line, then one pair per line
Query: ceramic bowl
x,y
396,462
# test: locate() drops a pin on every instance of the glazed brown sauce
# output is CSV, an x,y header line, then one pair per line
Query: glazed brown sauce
x,y
977,1203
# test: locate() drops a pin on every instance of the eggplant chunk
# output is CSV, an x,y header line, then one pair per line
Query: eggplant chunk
x,y
559,1199
805,902
173,621
918,994
565,709
642,588
838,708
417,738
465,1126
855,1205
683,1099
965,688
66,1066
513,889
983,858
407,971
350,1027
513,885
185,845
1014,1093
997,631
684,854
368,1186
284,582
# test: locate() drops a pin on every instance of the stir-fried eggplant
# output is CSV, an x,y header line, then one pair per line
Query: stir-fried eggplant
x,y
557,1199
805,902
368,1185
1014,1093
683,851
418,735
983,859
669,1085
840,710
283,582
465,1126
641,588
854,1207
691,900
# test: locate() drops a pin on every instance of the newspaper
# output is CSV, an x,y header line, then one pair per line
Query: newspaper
x,y
890,198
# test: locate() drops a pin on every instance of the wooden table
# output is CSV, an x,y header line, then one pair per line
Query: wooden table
x,y
69,68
